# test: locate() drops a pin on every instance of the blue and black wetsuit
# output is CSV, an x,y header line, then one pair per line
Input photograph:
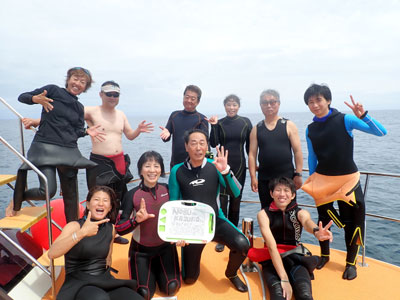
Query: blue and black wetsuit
x,y
202,184
330,153
286,229
179,122
274,156
234,134
151,259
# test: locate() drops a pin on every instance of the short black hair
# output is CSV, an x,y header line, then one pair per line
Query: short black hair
x,y
193,88
283,181
317,90
232,97
150,155
193,130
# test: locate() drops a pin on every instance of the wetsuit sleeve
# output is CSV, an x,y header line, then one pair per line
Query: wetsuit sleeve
x,y
230,182
174,190
367,124
125,223
214,135
80,126
249,128
312,157
27,97
203,124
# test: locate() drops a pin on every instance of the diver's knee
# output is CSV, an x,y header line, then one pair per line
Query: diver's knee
x,y
144,292
172,288
303,291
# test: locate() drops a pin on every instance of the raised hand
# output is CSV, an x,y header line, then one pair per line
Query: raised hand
x,y
90,228
43,100
213,120
142,214
221,161
96,134
357,108
143,127
324,233
165,134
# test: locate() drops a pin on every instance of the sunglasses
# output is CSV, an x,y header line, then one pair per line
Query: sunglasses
x,y
269,102
84,70
112,94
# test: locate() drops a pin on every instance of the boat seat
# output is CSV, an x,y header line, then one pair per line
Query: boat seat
x,y
24,219
5,179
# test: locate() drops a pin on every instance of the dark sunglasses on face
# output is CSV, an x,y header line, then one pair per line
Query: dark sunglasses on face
x,y
269,102
112,94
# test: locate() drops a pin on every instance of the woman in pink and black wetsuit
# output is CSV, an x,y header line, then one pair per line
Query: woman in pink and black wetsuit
x,y
151,259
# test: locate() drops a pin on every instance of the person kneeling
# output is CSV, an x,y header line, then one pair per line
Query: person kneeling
x,y
281,224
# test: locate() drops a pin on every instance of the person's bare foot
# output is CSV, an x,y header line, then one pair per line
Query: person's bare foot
x,y
10,212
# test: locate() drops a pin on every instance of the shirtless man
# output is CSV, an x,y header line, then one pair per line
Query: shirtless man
x,y
113,165
275,138
112,168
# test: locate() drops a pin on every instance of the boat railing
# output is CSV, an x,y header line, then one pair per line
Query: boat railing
x,y
368,175
51,273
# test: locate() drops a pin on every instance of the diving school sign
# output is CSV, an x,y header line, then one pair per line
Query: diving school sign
x,y
193,222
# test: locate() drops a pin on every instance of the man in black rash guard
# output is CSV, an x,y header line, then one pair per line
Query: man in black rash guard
x,y
182,120
199,179
275,138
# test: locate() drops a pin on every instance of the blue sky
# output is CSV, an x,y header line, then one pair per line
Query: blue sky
x,y
155,48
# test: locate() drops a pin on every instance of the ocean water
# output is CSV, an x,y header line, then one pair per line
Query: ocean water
x,y
374,154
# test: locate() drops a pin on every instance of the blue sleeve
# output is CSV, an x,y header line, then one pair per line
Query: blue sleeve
x,y
367,124
312,157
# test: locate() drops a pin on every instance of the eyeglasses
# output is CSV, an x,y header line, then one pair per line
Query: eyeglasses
x,y
112,94
269,102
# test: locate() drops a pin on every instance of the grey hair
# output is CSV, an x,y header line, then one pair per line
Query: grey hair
x,y
270,92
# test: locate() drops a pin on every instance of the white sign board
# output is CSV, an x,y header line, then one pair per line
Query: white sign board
x,y
191,221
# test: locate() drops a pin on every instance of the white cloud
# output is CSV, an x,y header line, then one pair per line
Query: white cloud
x,y
155,48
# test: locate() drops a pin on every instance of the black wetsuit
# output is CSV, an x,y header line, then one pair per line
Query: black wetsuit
x,y
105,173
179,122
202,184
55,147
286,229
151,259
233,133
274,156
326,138
87,275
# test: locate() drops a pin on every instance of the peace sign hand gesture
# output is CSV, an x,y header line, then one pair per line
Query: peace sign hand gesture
x,y
357,108
91,228
324,233
142,214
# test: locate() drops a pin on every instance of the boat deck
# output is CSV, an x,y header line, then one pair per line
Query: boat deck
x,y
377,281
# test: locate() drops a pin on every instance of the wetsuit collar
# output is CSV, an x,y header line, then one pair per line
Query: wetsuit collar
x,y
148,189
189,112
291,205
76,97
190,167
324,118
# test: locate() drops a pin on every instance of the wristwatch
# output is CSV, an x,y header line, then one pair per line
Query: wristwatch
x,y
297,174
